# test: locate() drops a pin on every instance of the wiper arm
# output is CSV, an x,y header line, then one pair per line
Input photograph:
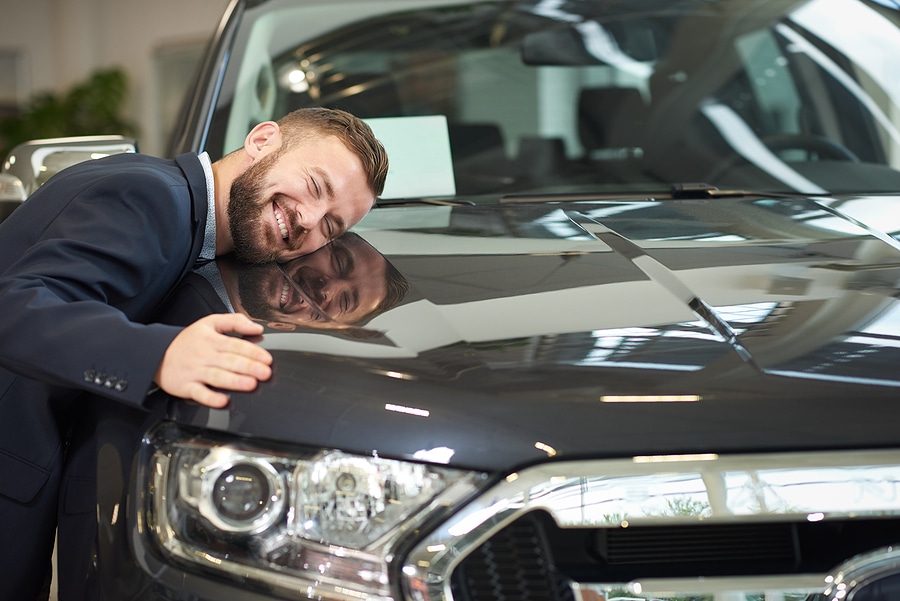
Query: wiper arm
x,y
676,192
395,202
700,190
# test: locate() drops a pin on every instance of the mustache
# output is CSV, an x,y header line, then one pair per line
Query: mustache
x,y
302,293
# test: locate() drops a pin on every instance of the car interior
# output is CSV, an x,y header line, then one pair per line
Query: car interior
x,y
538,102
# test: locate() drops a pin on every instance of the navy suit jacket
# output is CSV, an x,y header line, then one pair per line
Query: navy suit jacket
x,y
84,264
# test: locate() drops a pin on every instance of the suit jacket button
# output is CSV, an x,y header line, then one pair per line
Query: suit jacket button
x,y
89,375
98,378
120,386
110,382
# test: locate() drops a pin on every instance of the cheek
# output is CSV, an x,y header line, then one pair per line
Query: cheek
x,y
311,243
314,242
363,209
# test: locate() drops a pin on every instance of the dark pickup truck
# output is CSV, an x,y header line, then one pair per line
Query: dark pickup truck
x,y
624,324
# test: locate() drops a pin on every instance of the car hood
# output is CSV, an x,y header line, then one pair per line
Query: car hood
x,y
601,329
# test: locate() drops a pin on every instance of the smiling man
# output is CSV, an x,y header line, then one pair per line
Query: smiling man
x,y
344,284
87,260
292,189
339,288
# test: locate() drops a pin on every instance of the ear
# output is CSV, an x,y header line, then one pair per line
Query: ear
x,y
262,139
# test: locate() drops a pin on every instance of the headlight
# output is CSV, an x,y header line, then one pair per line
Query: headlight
x,y
324,523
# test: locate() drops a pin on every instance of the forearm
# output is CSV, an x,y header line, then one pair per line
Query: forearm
x,y
86,344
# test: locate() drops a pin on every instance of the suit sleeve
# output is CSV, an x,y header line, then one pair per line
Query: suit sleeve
x,y
94,269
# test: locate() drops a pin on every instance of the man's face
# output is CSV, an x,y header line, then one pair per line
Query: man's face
x,y
337,285
289,203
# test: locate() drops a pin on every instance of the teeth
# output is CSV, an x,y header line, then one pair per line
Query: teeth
x,y
281,226
284,293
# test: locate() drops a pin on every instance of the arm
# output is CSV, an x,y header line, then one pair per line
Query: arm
x,y
82,264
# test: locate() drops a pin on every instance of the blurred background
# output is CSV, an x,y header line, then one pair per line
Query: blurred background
x,y
75,67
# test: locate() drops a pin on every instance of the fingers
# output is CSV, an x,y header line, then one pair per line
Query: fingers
x,y
209,398
240,324
243,379
206,356
234,322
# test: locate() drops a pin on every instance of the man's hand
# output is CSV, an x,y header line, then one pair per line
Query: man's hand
x,y
203,357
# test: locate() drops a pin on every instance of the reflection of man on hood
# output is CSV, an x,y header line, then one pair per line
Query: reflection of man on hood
x,y
344,283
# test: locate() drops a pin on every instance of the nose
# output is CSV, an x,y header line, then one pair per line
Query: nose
x,y
318,288
310,215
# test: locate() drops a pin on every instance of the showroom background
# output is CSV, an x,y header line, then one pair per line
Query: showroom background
x,y
49,46
52,45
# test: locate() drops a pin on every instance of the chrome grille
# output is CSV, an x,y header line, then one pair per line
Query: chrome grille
x,y
764,543
575,530
513,565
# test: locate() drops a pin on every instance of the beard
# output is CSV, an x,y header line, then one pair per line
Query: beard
x,y
252,284
245,207
258,286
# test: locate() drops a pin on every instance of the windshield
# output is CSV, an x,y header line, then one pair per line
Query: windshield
x,y
595,96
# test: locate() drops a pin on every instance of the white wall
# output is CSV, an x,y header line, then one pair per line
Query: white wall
x,y
63,41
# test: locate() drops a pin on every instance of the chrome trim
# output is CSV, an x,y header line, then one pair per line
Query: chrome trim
x,y
208,471
334,573
11,191
641,490
861,571
738,587
33,162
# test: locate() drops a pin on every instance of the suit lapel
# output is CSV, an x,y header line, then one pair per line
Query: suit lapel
x,y
196,180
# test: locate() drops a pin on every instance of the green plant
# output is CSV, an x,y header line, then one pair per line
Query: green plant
x,y
89,108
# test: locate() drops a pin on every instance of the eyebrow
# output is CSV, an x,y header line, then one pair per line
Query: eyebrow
x,y
344,258
339,225
326,181
349,266
354,300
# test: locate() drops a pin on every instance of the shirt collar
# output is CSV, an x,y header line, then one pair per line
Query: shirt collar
x,y
210,272
209,236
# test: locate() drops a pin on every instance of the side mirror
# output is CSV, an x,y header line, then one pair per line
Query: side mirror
x,y
31,163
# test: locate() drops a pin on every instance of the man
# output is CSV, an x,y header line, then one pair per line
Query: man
x,y
86,261
336,289
340,286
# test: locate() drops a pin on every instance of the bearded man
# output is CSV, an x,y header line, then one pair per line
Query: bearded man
x,y
88,258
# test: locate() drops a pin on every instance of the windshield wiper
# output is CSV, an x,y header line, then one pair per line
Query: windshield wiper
x,y
394,202
679,191
701,190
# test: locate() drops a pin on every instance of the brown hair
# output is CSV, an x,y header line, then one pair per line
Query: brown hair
x,y
352,131
397,286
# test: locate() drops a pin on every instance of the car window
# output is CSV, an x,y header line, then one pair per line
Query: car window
x,y
594,96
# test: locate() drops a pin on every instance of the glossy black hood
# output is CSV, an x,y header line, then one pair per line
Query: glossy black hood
x,y
600,329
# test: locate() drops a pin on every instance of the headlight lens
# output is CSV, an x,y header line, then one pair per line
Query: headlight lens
x,y
235,491
321,522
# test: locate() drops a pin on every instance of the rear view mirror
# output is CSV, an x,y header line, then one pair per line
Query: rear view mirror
x,y
556,47
591,42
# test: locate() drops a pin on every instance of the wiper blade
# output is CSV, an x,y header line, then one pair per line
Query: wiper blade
x,y
576,196
676,192
395,202
665,277
701,190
